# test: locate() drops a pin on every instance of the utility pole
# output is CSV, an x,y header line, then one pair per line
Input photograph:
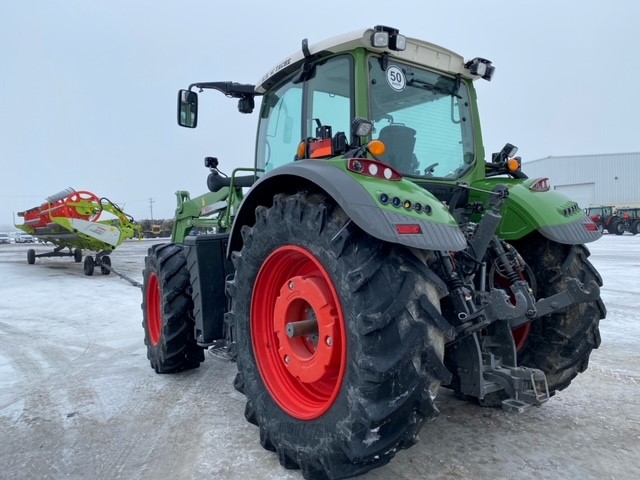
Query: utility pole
x,y
151,202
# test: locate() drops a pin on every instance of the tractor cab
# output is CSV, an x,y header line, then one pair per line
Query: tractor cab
x,y
417,96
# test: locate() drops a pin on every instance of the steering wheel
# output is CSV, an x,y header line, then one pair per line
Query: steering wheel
x,y
429,170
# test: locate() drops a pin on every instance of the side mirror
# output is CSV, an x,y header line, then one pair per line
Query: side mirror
x,y
187,108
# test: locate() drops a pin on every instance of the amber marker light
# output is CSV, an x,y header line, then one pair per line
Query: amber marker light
x,y
513,164
376,147
302,150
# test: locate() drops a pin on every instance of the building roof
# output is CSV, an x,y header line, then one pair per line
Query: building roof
x,y
588,155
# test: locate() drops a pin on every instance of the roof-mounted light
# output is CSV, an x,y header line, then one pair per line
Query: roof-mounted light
x,y
380,39
480,67
398,42
387,37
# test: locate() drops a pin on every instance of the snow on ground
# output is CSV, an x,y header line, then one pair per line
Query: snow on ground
x,y
79,400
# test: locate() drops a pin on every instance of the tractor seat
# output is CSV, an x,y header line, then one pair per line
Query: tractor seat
x,y
399,141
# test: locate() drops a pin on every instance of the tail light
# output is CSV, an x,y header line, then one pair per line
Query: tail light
x,y
408,229
373,168
540,185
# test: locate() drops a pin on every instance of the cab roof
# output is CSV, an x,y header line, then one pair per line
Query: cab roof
x,y
417,51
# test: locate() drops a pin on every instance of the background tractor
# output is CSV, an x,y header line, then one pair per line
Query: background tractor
x,y
606,218
371,256
630,219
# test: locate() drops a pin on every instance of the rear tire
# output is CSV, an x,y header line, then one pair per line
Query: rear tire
x,y
374,365
168,311
77,255
612,228
560,344
31,256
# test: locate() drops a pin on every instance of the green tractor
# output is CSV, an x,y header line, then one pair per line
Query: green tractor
x,y
371,257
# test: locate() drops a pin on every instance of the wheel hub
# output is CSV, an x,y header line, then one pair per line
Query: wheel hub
x,y
303,306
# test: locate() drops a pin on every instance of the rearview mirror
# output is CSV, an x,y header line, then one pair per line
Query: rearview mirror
x,y
187,108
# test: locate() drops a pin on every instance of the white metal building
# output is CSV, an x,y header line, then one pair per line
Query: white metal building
x,y
605,179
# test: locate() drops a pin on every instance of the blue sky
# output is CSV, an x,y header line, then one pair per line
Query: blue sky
x,y
88,88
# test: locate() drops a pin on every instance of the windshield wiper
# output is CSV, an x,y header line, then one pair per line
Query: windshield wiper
x,y
453,91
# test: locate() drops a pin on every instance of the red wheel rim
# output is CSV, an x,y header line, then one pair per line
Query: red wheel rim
x,y
302,373
520,334
154,309
75,206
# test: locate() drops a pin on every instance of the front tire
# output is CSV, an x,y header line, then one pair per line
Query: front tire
x,y
560,344
339,400
88,265
168,311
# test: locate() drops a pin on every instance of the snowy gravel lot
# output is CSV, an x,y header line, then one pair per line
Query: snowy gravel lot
x,y
78,399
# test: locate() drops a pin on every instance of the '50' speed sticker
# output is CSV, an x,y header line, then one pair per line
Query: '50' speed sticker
x,y
396,78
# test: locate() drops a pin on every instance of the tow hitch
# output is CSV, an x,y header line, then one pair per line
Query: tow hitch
x,y
523,386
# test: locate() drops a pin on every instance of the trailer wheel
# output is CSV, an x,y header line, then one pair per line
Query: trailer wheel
x,y
31,256
77,255
560,344
89,265
337,356
167,311
105,263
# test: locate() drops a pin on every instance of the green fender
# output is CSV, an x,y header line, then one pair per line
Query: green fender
x,y
359,196
552,214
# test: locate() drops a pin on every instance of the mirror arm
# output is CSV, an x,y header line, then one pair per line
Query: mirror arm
x,y
230,89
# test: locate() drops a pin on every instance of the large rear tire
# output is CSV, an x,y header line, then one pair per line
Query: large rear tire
x,y
167,311
560,344
339,400
613,227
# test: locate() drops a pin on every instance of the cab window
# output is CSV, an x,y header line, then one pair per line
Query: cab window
x,y
293,111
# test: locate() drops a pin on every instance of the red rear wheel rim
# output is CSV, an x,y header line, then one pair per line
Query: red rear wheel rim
x,y
520,334
154,310
303,374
